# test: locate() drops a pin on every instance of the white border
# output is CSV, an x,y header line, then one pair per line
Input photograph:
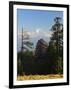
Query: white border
x,y
26,82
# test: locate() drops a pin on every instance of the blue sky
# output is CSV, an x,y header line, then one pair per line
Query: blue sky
x,y
36,18
39,21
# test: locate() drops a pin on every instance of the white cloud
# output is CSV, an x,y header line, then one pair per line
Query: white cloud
x,y
40,33
37,33
38,30
47,34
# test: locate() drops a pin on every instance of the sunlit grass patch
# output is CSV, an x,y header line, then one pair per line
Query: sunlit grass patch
x,y
39,77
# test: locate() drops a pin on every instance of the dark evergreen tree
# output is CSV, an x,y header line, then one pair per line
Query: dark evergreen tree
x,y
56,46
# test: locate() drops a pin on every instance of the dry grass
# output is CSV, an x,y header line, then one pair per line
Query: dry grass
x,y
39,77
